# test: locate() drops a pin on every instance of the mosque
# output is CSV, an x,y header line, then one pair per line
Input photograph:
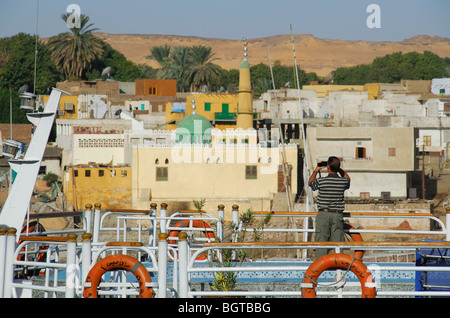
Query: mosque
x,y
223,164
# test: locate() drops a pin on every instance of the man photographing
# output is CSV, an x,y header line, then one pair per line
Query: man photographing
x,y
330,202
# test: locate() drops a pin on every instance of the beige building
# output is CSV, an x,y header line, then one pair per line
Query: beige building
x,y
379,160
247,175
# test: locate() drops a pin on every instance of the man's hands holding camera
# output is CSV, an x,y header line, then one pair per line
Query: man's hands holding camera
x,y
321,165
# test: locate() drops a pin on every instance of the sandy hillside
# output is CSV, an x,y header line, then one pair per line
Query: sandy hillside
x,y
313,54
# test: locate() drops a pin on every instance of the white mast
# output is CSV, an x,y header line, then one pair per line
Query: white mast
x,y
27,169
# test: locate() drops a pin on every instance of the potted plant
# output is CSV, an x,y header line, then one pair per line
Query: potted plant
x,y
232,257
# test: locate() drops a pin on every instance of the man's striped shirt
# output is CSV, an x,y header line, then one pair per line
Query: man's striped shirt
x,y
331,191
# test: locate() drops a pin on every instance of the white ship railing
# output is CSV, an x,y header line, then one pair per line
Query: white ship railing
x,y
158,240
188,267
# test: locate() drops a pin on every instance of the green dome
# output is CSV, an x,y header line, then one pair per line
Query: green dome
x,y
244,64
194,128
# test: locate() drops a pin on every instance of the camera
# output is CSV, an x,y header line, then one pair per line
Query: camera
x,y
322,164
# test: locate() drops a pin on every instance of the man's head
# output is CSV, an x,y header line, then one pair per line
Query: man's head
x,y
334,164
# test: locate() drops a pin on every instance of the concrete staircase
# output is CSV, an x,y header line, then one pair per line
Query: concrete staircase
x,y
279,202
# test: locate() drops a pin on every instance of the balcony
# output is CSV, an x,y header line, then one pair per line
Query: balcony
x,y
224,116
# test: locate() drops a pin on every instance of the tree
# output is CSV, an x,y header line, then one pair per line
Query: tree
x,y
192,67
122,69
203,72
17,54
161,54
180,65
75,51
393,68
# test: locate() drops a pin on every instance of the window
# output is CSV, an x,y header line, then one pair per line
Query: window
x,y
162,174
207,107
360,152
447,109
244,141
152,90
87,173
250,172
391,151
101,173
124,173
225,108
75,173
427,140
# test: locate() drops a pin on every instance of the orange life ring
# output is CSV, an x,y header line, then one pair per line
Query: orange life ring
x,y
338,261
116,262
356,237
32,226
197,224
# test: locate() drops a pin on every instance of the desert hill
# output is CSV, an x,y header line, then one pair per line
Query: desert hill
x,y
313,54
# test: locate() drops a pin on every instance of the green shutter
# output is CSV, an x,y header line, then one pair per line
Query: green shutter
x,y
225,109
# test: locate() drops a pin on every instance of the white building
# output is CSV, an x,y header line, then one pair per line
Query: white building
x,y
440,86
379,160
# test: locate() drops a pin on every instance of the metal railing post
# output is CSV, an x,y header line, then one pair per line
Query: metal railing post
x,y
3,232
163,215
86,255
162,265
447,222
221,217
184,260
9,262
88,218
72,273
96,229
235,221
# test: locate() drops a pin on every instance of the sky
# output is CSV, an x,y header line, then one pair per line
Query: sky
x,y
392,20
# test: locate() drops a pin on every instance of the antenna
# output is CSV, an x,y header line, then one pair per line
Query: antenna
x,y
107,71
35,49
309,198
285,172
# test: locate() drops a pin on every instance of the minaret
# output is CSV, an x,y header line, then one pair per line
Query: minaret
x,y
245,105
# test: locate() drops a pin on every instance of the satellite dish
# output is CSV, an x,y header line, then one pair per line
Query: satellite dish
x,y
23,89
287,85
106,71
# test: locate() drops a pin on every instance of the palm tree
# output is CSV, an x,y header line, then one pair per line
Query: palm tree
x,y
161,54
203,72
181,63
74,51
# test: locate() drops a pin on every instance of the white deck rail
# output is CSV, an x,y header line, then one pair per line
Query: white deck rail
x,y
72,258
